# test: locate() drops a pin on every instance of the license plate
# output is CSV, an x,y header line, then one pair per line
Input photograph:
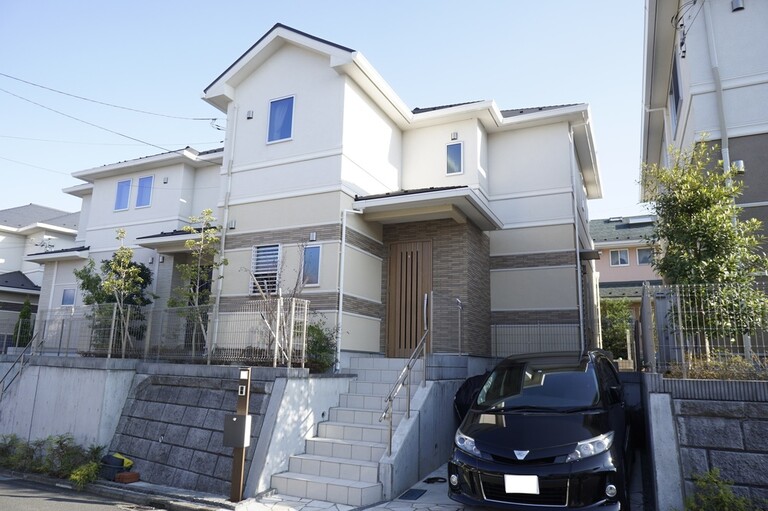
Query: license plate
x,y
521,484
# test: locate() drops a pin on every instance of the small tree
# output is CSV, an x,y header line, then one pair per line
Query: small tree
x,y
198,274
703,241
24,329
122,282
615,317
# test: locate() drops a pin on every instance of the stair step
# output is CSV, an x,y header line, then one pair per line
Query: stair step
x,y
368,402
390,364
389,376
351,431
337,468
348,449
362,416
341,491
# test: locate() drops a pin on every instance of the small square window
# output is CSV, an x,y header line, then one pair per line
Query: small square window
x,y
68,297
123,195
310,271
280,119
144,193
644,256
454,158
620,257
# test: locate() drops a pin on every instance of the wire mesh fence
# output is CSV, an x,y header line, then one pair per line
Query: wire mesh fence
x,y
709,331
254,332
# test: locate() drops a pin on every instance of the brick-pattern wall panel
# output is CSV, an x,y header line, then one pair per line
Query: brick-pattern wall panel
x,y
171,427
564,258
284,236
546,317
364,243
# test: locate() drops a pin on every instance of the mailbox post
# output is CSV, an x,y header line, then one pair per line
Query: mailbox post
x,y
237,433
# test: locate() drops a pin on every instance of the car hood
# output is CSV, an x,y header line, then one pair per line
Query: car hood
x,y
544,435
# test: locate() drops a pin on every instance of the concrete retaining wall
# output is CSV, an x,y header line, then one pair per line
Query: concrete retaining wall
x,y
698,425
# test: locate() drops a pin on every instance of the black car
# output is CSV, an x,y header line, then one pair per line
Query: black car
x,y
545,431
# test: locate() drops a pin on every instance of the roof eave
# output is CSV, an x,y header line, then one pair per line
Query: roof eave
x,y
186,156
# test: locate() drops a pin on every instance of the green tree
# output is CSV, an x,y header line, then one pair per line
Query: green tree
x,y
615,317
703,240
120,281
200,272
24,329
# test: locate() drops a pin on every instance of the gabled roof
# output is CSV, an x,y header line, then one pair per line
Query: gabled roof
x,y
33,217
622,229
17,280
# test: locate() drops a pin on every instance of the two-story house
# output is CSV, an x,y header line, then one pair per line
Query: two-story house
x,y
706,75
625,257
327,174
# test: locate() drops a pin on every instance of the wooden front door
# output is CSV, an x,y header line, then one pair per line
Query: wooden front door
x,y
410,278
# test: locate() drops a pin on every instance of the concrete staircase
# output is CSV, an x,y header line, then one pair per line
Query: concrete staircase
x,y
341,463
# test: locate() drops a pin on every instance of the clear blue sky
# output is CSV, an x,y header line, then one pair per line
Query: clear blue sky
x,y
158,56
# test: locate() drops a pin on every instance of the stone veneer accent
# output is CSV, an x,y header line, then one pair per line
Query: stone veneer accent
x,y
460,269
545,317
564,258
285,236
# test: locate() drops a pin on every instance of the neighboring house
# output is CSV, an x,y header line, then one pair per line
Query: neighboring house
x,y
706,74
625,257
329,179
26,229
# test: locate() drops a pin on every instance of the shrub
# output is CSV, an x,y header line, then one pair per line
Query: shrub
x,y
714,494
57,456
85,474
321,347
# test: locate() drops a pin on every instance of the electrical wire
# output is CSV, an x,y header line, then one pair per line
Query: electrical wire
x,y
102,143
36,166
211,119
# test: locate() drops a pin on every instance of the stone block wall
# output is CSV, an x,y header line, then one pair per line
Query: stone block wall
x,y
172,427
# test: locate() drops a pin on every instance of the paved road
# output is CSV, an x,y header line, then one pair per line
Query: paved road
x,y
21,495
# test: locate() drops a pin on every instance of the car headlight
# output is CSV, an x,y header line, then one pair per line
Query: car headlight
x,y
466,444
591,447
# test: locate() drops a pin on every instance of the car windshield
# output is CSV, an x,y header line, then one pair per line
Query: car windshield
x,y
528,386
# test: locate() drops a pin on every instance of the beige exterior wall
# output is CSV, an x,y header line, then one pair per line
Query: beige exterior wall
x,y
548,238
543,288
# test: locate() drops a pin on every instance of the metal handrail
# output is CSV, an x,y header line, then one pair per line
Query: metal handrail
x,y
404,379
3,385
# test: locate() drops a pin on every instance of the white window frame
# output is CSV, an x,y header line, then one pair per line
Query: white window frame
x,y
72,292
270,140
139,188
619,250
127,197
448,159
268,268
304,265
650,256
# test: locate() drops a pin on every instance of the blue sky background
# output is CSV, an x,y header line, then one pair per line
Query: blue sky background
x,y
159,55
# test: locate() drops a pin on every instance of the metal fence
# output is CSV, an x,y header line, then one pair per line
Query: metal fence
x,y
14,333
706,331
263,332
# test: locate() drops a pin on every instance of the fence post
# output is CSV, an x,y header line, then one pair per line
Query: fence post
x,y
290,332
277,329
148,333
649,354
111,331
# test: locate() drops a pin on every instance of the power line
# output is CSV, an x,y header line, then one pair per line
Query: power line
x,y
211,119
103,143
36,166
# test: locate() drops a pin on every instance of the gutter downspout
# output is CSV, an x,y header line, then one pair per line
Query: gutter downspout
x,y
342,254
574,184
223,237
724,146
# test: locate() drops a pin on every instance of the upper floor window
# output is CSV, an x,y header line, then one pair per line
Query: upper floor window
x,y
620,257
454,158
144,193
280,119
265,263
123,194
68,297
310,271
644,256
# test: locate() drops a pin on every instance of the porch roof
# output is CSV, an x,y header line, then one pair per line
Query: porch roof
x,y
167,242
458,203
64,254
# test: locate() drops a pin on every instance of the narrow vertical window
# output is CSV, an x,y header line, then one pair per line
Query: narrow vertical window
x,y
675,97
454,158
310,271
280,119
144,193
265,263
123,194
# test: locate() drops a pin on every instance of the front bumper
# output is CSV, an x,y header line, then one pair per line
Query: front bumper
x,y
576,485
